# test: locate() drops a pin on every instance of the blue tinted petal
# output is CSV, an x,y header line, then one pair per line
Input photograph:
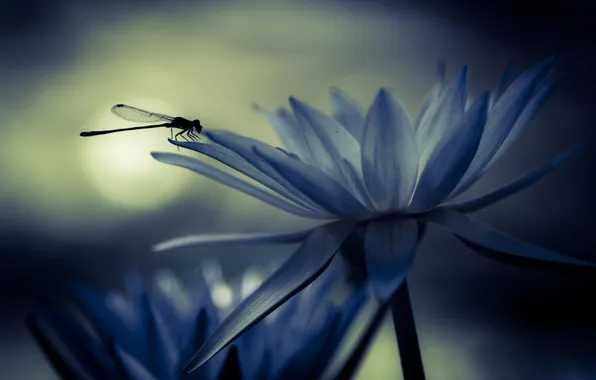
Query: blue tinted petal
x,y
432,97
516,185
502,118
286,127
244,148
71,353
337,143
318,186
390,245
389,154
132,368
305,265
249,166
231,181
538,100
162,346
447,162
227,239
498,91
348,113
442,114
504,247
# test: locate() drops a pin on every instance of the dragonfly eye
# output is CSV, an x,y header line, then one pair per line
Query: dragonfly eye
x,y
196,124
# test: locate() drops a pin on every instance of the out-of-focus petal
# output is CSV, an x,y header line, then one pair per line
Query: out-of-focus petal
x,y
389,154
305,265
229,239
516,185
503,247
58,348
444,166
231,181
389,248
348,113
131,367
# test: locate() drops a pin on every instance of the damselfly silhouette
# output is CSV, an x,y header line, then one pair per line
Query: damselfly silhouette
x,y
189,128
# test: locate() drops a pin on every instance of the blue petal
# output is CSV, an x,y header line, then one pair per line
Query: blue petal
x,y
162,347
502,118
506,248
318,186
131,367
226,239
538,100
286,127
498,91
337,143
348,113
389,154
249,166
68,347
516,185
389,248
432,97
448,108
305,265
244,148
449,159
231,181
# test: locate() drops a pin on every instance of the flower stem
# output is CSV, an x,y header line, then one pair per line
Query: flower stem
x,y
406,335
353,362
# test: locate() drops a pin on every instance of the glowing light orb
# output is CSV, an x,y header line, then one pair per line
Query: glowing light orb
x,y
120,167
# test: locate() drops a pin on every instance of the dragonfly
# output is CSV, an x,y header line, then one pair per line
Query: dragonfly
x,y
190,129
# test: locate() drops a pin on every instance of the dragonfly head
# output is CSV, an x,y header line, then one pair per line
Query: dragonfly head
x,y
196,124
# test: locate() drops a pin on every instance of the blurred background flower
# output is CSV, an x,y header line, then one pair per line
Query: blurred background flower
x,y
150,333
93,207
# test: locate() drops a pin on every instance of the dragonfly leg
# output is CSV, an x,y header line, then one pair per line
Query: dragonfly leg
x,y
181,135
192,135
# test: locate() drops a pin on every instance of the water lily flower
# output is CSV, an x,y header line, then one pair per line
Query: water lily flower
x,y
381,175
147,335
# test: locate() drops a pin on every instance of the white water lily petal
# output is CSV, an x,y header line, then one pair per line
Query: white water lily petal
x,y
229,239
516,185
288,131
243,147
348,113
315,184
389,247
250,168
444,166
231,181
538,100
389,154
442,114
303,267
510,248
502,117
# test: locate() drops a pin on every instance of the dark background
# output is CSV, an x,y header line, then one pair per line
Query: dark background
x,y
92,208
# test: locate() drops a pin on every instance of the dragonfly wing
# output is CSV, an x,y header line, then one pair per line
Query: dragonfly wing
x,y
136,114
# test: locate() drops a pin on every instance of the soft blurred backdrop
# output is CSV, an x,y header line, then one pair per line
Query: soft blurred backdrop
x,y
92,208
